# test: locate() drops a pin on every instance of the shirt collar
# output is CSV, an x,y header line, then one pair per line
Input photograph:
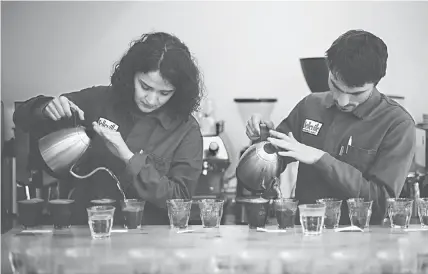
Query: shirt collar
x,y
362,110
367,107
162,115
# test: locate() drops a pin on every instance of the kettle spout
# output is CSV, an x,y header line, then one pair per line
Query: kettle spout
x,y
263,177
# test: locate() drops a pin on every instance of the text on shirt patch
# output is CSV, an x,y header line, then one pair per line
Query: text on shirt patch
x,y
107,124
311,127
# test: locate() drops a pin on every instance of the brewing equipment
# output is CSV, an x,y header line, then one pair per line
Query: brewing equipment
x,y
260,165
216,160
315,70
248,107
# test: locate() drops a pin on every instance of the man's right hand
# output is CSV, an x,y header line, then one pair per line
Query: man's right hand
x,y
61,107
253,126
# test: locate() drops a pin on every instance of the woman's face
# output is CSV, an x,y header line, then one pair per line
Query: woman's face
x,y
151,91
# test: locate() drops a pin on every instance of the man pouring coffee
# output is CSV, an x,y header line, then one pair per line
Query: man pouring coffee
x,y
351,141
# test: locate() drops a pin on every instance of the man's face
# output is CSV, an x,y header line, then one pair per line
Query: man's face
x,y
348,98
151,91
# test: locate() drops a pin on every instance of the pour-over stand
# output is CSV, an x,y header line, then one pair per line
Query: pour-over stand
x,y
248,107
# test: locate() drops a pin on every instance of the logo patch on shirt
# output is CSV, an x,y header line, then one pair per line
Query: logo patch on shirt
x,y
312,127
107,124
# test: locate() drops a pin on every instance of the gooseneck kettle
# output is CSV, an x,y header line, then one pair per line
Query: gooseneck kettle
x,y
62,149
259,166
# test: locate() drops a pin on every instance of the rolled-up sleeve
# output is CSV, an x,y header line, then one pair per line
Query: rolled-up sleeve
x,y
179,182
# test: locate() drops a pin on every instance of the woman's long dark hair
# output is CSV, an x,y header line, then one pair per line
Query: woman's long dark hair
x,y
166,53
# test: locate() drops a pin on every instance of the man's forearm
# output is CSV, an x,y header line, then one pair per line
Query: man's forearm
x,y
351,182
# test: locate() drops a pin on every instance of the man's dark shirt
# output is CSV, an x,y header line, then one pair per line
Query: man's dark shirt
x,y
376,164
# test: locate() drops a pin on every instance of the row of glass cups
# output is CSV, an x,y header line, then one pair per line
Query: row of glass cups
x,y
211,212
102,211
100,217
324,214
400,211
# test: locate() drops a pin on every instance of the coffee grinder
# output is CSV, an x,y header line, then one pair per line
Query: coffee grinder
x,y
248,107
216,160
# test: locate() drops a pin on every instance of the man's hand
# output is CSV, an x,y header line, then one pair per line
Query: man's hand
x,y
253,127
294,149
114,141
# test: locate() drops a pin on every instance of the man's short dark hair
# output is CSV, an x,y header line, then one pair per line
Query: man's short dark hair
x,y
358,57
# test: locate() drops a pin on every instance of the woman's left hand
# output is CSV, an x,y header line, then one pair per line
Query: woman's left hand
x,y
114,141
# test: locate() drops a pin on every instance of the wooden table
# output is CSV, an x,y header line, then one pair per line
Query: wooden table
x,y
229,249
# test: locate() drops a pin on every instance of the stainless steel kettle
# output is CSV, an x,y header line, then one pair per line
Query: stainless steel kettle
x,y
62,149
258,167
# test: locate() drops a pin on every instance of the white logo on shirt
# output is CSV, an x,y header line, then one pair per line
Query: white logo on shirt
x,y
312,127
107,124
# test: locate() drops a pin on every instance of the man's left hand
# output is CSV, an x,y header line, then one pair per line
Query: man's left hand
x,y
292,148
114,141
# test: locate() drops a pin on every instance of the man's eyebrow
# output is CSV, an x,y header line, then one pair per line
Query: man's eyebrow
x,y
335,85
354,93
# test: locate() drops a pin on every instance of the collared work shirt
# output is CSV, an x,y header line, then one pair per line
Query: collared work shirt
x,y
373,167
167,159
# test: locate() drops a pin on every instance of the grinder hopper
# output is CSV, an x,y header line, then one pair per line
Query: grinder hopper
x,y
316,72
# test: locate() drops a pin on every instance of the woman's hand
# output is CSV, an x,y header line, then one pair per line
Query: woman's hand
x,y
61,107
114,141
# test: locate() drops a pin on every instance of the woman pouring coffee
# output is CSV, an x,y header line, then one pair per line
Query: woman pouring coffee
x,y
145,133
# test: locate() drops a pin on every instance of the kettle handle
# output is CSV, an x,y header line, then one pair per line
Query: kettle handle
x,y
264,132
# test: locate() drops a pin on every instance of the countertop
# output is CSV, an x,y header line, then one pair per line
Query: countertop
x,y
228,249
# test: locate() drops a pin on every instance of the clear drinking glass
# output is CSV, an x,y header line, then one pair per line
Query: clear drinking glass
x,y
100,219
285,212
211,212
133,211
179,212
312,218
60,210
400,212
423,211
360,212
332,212
30,212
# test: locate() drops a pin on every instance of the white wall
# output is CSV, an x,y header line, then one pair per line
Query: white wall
x,y
245,49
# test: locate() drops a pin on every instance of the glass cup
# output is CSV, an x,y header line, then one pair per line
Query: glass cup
x,y
400,212
179,212
211,212
332,211
423,211
285,212
103,202
312,218
360,212
30,212
61,210
100,219
257,210
133,211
